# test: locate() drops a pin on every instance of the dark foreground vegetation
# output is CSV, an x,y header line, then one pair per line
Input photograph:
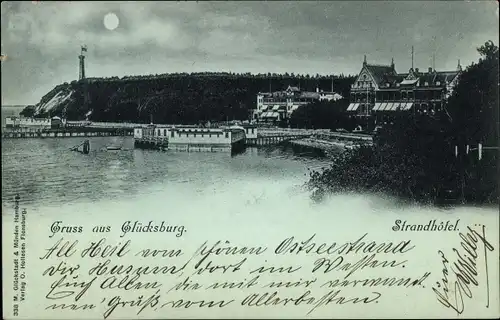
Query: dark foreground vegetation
x,y
414,159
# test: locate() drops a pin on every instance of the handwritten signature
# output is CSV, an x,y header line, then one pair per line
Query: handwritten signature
x,y
450,293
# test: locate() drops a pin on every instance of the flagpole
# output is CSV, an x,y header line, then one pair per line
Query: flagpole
x,y
412,57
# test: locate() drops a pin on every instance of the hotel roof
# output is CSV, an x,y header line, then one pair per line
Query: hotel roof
x,y
386,74
381,73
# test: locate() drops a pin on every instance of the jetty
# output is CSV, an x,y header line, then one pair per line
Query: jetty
x,y
229,138
66,132
183,138
266,140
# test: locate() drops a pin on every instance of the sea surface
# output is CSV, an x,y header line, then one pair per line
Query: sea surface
x,y
44,172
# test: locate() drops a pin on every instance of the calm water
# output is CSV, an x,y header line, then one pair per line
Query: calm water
x,y
45,173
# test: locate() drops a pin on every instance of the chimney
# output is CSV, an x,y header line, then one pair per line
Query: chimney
x,y
430,70
364,61
317,89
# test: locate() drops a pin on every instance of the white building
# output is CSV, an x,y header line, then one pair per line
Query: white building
x,y
188,138
279,105
33,124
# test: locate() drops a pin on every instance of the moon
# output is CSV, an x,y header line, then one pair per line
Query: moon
x,y
111,21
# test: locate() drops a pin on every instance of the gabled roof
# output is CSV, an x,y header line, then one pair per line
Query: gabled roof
x,y
432,78
380,73
385,76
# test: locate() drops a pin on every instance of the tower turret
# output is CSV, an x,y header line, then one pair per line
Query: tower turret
x,y
81,57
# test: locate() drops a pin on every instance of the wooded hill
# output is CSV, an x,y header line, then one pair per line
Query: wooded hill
x,y
174,98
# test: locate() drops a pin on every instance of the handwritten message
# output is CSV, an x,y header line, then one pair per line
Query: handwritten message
x,y
117,272
165,273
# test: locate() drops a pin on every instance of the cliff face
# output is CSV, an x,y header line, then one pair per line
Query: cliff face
x,y
173,98
56,100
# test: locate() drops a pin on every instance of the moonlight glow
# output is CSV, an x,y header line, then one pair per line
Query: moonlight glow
x,y
111,21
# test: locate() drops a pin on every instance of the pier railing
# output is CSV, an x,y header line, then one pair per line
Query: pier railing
x,y
272,139
65,132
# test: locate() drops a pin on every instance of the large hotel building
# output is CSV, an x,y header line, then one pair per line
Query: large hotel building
x,y
279,105
381,92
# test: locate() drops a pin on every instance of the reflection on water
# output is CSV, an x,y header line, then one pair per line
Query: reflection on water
x,y
46,172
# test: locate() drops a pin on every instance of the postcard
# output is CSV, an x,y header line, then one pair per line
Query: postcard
x,y
250,160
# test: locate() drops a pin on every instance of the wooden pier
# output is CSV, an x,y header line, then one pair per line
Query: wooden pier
x,y
66,133
201,139
274,139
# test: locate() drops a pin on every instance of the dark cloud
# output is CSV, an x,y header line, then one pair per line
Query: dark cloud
x,y
43,40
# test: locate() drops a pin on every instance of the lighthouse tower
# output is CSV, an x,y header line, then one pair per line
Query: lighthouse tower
x,y
81,57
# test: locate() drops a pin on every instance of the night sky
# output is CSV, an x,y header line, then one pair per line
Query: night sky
x,y
42,40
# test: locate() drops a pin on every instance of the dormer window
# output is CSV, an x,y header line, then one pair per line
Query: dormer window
x,y
426,83
438,83
398,85
387,84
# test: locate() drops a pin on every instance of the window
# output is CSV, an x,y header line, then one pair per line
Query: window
x,y
165,132
252,130
172,133
438,83
227,134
